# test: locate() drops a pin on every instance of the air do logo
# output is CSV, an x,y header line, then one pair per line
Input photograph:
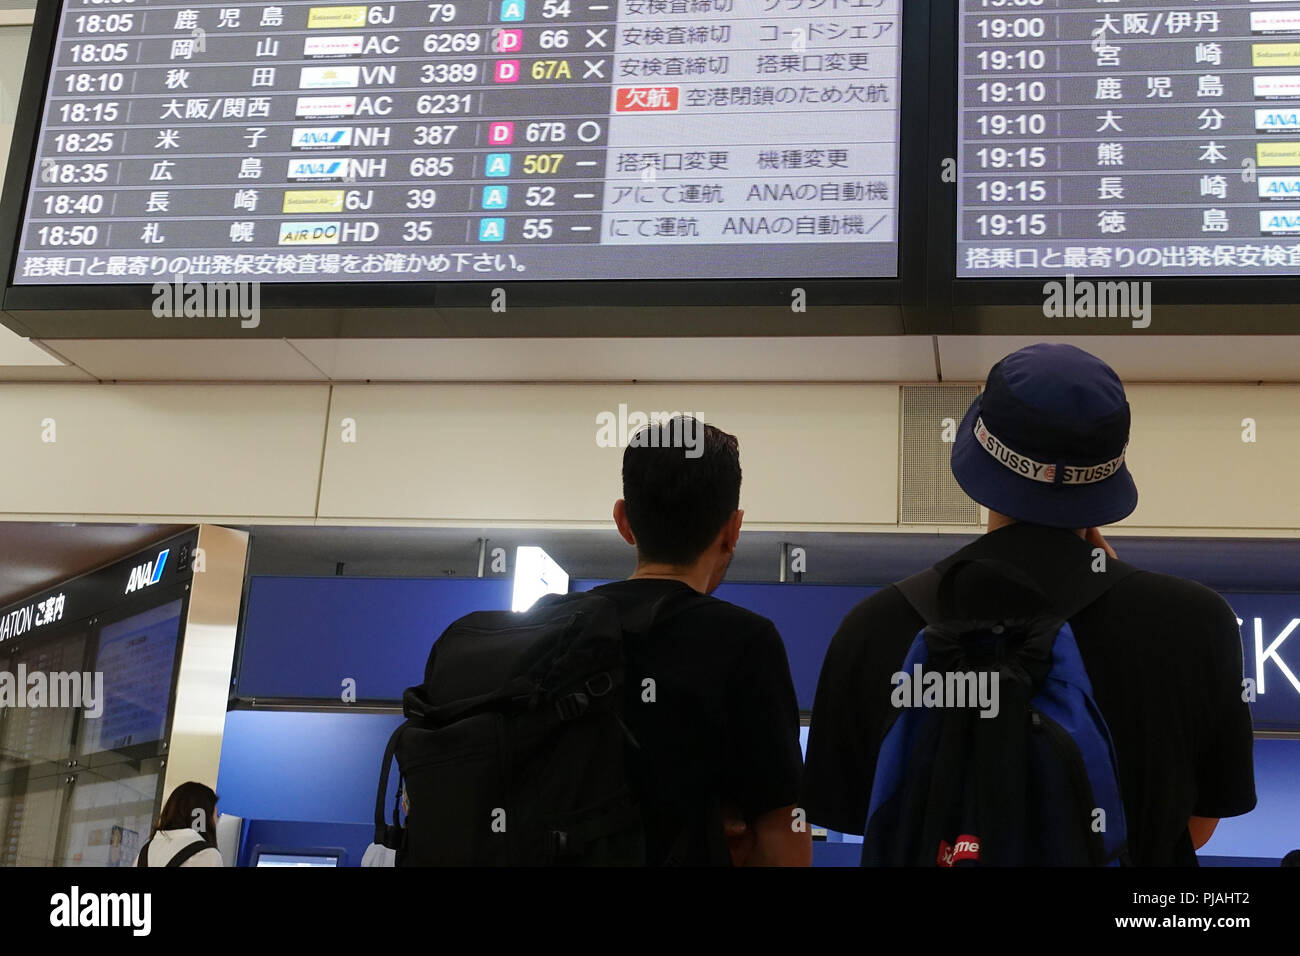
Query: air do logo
x,y
147,574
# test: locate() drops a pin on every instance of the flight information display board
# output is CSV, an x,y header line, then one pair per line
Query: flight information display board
x,y
466,140
1113,137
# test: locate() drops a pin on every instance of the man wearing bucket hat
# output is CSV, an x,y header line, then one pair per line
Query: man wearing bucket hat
x,y
1043,448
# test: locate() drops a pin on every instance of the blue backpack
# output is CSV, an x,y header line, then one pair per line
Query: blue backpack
x,y
998,755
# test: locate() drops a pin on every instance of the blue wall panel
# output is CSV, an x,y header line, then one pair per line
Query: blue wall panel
x,y
303,636
324,768
1273,664
806,615
285,765
1273,829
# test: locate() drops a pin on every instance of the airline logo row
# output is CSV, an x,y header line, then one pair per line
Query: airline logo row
x,y
490,229
333,18
351,77
499,40
630,99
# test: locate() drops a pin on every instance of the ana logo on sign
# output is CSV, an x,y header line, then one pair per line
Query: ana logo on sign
x,y
149,573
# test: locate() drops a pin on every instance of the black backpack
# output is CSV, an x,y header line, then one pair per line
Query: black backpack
x,y
514,751
1031,780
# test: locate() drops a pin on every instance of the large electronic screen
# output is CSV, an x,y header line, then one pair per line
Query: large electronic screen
x,y
1128,137
137,658
42,734
466,140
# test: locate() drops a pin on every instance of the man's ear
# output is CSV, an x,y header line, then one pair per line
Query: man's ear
x,y
731,531
621,522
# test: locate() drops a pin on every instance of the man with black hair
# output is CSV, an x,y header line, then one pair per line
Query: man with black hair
x,y
710,699
1043,448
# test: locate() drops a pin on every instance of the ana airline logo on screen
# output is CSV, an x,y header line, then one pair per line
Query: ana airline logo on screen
x,y
1279,187
147,574
321,170
322,137
1277,121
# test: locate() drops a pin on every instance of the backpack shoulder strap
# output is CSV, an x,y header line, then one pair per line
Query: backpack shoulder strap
x,y
640,619
143,858
921,590
186,852
389,835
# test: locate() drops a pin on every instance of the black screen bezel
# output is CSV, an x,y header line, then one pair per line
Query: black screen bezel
x,y
622,308
963,306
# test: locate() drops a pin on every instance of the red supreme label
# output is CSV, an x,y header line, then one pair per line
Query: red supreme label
x,y
967,847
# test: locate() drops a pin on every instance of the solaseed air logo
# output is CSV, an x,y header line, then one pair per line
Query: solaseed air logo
x,y
313,200
325,18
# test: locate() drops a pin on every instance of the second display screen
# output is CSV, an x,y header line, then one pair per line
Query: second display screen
x,y
1128,138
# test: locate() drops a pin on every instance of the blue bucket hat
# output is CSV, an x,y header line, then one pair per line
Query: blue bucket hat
x,y
1045,441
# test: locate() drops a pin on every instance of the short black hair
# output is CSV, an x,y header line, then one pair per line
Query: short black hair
x,y
681,484
1292,858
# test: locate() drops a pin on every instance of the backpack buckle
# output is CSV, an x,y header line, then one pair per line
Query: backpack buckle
x,y
571,706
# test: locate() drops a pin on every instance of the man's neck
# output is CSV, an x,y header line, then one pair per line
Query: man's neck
x,y
695,577
998,520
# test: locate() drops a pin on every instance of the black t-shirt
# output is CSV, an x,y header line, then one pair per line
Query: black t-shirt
x,y
1165,661
724,722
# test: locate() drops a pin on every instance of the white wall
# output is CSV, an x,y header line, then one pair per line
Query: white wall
x,y
13,54
815,457
1193,466
517,453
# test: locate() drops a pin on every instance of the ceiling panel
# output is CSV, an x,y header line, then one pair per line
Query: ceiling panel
x,y
44,373
176,360
17,350
812,359
1161,358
